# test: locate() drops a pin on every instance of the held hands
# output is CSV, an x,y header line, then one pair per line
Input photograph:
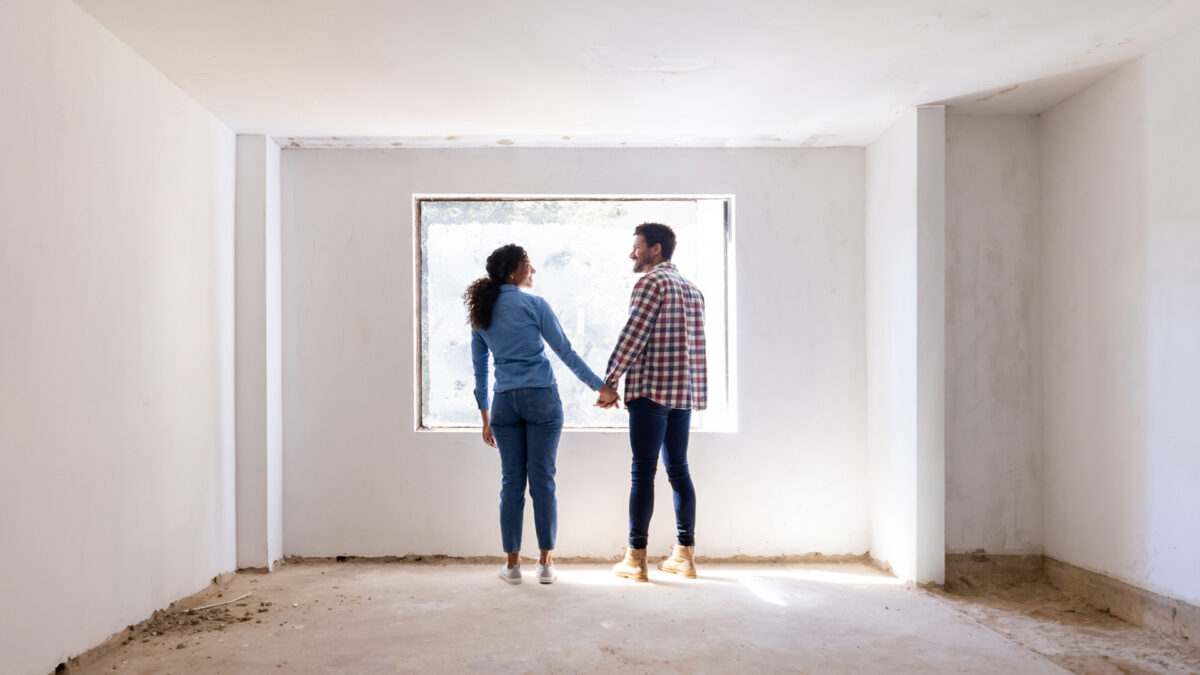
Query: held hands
x,y
608,398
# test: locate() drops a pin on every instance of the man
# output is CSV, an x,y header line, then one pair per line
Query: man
x,y
661,352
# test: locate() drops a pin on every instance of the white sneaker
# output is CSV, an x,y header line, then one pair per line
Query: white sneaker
x,y
545,573
512,576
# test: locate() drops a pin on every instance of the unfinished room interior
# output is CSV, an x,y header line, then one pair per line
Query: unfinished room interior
x,y
949,254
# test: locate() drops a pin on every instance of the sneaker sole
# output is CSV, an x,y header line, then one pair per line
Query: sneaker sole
x,y
513,582
547,581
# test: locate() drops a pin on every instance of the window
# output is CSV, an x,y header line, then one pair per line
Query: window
x,y
580,248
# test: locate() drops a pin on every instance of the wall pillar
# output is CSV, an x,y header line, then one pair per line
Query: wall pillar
x,y
906,344
259,355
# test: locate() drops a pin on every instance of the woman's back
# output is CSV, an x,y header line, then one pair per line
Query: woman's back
x,y
515,340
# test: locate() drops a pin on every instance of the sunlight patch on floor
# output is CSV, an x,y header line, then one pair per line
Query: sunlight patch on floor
x,y
751,578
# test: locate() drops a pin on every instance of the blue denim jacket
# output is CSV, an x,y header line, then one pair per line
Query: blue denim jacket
x,y
520,322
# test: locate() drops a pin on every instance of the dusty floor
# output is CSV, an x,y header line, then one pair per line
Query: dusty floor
x,y
1071,633
393,617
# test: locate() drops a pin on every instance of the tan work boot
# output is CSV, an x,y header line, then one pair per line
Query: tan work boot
x,y
633,566
682,561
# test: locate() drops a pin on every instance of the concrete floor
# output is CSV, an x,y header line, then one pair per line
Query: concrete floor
x,y
393,617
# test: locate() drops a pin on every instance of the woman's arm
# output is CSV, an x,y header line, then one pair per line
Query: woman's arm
x,y
553,334
479,358
488,437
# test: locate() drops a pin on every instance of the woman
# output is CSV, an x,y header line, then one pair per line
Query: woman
x,y
526,416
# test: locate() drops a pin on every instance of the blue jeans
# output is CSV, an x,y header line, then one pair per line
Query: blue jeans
x,y
655,428
527,424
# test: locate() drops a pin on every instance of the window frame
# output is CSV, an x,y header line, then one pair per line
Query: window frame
x,y
729,275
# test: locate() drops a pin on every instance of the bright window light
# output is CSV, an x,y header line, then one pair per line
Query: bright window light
x,y
580,248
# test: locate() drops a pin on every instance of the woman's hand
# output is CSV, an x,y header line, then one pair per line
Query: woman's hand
x,y
488,437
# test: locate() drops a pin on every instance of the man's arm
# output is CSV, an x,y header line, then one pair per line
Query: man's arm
x,y
644,304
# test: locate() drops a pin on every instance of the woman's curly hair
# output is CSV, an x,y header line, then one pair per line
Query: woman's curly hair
x,y
481,295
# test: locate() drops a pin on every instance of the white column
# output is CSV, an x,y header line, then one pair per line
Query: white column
x,y
259,355
906,344
931,345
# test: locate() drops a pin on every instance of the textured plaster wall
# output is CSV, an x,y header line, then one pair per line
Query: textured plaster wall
x,y
116,338
993,379
1121,323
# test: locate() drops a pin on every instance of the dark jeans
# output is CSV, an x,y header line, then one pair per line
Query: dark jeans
x,y
655,428
527,424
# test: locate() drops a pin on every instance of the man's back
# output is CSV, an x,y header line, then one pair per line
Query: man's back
x,y
662,346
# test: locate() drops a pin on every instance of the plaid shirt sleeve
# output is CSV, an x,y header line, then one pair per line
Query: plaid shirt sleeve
x,y
644,305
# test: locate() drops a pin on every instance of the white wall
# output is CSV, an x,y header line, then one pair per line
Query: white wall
x,y
1121,323
116,338
891,290
259,354
905,343
993,380
359,480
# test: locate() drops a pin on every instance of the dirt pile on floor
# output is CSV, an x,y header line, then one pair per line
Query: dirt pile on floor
x,y
181,621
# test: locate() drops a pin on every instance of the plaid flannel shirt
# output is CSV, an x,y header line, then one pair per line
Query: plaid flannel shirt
x,y
661,347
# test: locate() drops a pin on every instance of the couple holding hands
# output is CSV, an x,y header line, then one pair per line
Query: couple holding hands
x,y
660,352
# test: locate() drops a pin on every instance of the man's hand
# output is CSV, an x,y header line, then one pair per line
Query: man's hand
x,y
608,398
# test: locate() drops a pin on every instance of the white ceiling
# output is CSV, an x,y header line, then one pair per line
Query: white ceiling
x,y
469,73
